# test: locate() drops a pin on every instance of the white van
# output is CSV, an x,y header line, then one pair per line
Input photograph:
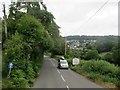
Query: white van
x,y
63,64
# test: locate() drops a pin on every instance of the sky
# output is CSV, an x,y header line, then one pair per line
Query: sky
x,y
73,16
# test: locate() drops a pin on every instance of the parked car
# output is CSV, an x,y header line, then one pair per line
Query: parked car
x,y
63,64
62,58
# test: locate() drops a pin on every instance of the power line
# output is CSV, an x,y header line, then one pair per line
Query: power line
x,y
94,14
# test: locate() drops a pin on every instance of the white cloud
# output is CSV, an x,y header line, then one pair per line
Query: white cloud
x,y
71,14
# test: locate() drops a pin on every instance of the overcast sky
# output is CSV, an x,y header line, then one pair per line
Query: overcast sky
x,y
71,16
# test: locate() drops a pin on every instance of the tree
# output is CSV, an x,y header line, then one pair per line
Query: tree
x,y
108,57
0,29
105,46
92,54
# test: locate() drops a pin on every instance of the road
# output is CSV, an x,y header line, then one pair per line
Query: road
x,y
52,77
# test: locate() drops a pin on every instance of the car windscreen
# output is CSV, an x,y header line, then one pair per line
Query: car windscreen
x,y
63,62
62,59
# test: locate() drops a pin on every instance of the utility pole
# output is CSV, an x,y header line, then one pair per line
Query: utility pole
x,y
5,21
65,46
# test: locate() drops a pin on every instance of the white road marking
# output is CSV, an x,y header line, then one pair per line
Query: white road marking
x,y
67,87
62,78
58,71
60,74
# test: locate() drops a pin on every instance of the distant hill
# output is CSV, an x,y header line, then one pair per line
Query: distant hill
x,y
110,37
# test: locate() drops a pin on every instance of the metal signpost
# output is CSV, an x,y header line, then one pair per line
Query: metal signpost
x,y
10,66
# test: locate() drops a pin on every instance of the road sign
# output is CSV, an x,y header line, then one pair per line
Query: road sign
x,y
75,61
10,65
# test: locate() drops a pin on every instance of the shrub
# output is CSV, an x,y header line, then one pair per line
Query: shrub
x,y
30,71
19,83
67,56
102,67
18,74
69,61
99,70
108,57
91,54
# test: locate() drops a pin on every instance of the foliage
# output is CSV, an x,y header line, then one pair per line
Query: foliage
x,y
59,44
25,48
19,83
116,56
99,70
34,32
45,17
29,36
108,57
105,46
0,29
75,53
92,54
116,53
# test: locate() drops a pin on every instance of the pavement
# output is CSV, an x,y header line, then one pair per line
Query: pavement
x,y
52,77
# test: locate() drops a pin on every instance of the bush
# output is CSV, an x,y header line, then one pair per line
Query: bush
x,y
34,32
30,72
15,83
19,83
69,61
105,45
25,48
91,54
103,78
108,57
18,74
67,56
116,56
101,67
99,70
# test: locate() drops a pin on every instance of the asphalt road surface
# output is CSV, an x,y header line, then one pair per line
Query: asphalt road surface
x,y
52,77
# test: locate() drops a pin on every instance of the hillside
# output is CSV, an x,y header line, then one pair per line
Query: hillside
x,y
83,37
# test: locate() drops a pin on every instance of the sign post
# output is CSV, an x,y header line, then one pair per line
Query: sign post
x,y
10,66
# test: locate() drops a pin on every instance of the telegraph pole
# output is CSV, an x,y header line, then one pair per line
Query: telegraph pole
x,y
5,21
65,46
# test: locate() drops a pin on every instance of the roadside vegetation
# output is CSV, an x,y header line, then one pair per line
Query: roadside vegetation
x,y
99,61
99,71
33,33
30,35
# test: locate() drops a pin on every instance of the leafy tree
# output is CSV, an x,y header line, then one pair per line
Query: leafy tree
x,y
0,29
75,53
59,44
105,46
92,54
90,46
108,57
34,32
116,56
25,47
